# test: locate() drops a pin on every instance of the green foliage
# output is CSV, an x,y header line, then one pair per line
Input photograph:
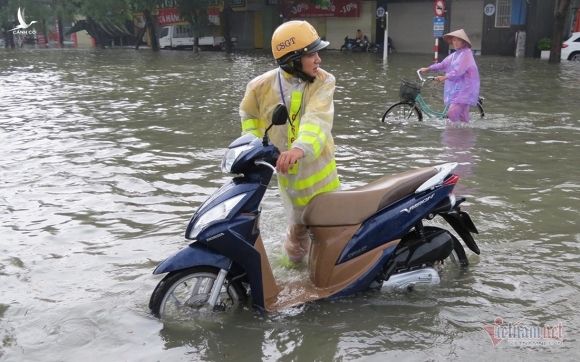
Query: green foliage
x,y
33,10
545,44
195,13
114,10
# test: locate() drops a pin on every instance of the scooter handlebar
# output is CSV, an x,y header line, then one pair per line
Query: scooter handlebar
x,y
264,163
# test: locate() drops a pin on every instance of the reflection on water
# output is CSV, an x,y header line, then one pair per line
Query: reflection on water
x,y
459,143
105,155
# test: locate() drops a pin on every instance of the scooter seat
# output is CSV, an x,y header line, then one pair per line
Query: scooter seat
x,y
352,207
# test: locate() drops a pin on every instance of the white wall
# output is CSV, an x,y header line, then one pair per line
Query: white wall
x,y
411,26
468,15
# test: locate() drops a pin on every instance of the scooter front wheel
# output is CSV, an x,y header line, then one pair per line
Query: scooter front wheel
x,y
184,294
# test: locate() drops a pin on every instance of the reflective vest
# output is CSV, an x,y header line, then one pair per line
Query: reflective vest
x,y
316,172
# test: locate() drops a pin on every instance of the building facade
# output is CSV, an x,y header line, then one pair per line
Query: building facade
x,y
495,27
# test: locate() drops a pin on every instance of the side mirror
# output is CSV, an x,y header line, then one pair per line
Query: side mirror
x,y
280,115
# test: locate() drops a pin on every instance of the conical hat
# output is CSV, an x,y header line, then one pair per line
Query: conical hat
x,y
458,34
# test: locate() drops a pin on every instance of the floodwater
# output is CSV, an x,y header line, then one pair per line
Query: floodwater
x,y
105,154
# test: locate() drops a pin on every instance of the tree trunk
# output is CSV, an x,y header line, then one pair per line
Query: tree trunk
x,y
227,15
151,30
60,32
561,10
195,31
8,36
140,37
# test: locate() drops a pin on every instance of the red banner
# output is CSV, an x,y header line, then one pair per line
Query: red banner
x,y
329,8
168,16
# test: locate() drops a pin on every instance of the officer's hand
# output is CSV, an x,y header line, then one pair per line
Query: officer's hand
x,y
287,159
423,70
440,78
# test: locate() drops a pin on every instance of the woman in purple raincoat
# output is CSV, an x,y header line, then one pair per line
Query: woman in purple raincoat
x,y
461,77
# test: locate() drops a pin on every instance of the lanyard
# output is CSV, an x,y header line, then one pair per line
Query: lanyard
x,y
293,112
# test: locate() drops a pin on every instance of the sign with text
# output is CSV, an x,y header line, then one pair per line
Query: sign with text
x,y
329,8
438,26
168,16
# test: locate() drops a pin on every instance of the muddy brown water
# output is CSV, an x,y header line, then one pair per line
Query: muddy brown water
x,y
105,154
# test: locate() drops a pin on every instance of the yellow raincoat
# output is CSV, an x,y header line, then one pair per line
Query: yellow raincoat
x,y
311,109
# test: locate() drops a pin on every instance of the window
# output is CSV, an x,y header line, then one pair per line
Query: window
x,y
167,4
503,13
183,31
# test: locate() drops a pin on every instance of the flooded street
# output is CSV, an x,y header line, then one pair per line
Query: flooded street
x,y
105,154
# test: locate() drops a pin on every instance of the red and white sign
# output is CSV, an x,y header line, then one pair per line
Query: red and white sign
x,y
168,16
332,8
439,7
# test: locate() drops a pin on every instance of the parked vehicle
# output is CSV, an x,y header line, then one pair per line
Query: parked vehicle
x,y
380,242
571,48
181,36
354,45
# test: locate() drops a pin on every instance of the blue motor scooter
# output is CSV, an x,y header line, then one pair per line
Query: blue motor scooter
x,y
379,241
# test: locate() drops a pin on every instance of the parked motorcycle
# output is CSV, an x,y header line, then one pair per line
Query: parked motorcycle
x,y
355,45
368,237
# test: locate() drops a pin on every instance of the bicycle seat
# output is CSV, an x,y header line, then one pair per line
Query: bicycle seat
x,y
352,207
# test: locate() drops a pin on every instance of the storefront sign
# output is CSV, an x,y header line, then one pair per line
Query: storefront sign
x,y
213,14
331,8
168,16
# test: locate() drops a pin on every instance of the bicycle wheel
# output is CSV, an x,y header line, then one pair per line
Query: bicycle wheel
x,y
402,111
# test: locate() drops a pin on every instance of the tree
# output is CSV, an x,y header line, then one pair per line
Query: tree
x,y
195,12
561,10
227,16
147,7
64,10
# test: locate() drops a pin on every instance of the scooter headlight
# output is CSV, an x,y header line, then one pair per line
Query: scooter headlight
x,y
232,155
216,213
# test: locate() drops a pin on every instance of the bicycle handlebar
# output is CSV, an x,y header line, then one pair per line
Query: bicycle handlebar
x,y
424,79
420,76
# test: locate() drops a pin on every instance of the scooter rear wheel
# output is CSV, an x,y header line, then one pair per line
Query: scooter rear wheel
x,y
184,294
458,255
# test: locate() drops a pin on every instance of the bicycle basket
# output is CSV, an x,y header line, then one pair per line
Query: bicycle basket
x,y
408,90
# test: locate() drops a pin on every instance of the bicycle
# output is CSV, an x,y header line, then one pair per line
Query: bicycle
x,y
413,105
